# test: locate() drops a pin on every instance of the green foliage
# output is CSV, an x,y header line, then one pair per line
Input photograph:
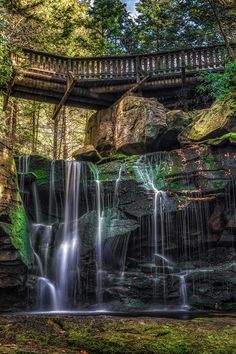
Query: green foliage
x,y
110,24
168,24
5,63
219,85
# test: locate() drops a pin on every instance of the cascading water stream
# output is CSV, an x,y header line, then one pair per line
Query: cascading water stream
x,y
151,176
67,258
99,253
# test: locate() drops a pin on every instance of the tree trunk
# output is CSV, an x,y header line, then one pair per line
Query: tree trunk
x,y
215,10
14,124
8,117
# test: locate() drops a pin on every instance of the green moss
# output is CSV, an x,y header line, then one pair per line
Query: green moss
x,y
18,231
41,175
231,137
213,121
96,335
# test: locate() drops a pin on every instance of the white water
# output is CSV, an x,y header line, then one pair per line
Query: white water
x,y
183,292
99,253
67,256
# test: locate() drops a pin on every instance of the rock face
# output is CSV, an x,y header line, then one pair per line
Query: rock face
x,y
14,241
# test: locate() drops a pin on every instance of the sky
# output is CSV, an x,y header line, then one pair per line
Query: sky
x,y
131,5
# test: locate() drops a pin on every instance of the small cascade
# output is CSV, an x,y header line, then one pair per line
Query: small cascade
x,y
149,173
183,292
36,200
23,169
116,191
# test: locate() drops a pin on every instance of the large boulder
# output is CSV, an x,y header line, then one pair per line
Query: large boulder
x,y
100,130
140,123
133,126
213,122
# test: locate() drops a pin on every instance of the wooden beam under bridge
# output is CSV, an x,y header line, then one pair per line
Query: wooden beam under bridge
x,y
70,85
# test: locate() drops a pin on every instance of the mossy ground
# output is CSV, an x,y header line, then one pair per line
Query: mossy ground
x,y
71,334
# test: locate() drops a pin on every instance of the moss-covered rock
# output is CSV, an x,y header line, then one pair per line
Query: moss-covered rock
x,y
214,122
104,334
13,218
224,139
14,240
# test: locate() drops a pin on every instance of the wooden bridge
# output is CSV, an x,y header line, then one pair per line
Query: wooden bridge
x,y
98,82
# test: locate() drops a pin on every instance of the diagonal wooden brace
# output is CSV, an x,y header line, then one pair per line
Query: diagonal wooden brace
x,y
134,88
71,81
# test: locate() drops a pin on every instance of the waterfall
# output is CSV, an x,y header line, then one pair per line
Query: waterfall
x,y
122,235
149,173
117,183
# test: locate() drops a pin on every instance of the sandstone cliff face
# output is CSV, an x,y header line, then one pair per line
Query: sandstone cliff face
x,y
14,242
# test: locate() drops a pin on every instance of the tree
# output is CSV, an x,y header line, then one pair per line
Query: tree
x,y
107,25
168,24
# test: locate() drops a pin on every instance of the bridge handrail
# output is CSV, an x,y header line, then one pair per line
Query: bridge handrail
x,y
128,66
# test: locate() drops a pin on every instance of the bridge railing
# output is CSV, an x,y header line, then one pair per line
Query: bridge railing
x,y
173,63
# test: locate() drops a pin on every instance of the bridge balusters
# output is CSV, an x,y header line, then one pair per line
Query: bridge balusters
x,y
166,66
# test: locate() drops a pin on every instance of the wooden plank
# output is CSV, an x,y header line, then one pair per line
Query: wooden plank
x,y
71,84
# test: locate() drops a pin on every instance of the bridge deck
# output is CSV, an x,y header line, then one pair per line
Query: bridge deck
x,y
101,81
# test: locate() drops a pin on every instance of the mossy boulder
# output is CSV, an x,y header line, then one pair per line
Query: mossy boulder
x,y
213,122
